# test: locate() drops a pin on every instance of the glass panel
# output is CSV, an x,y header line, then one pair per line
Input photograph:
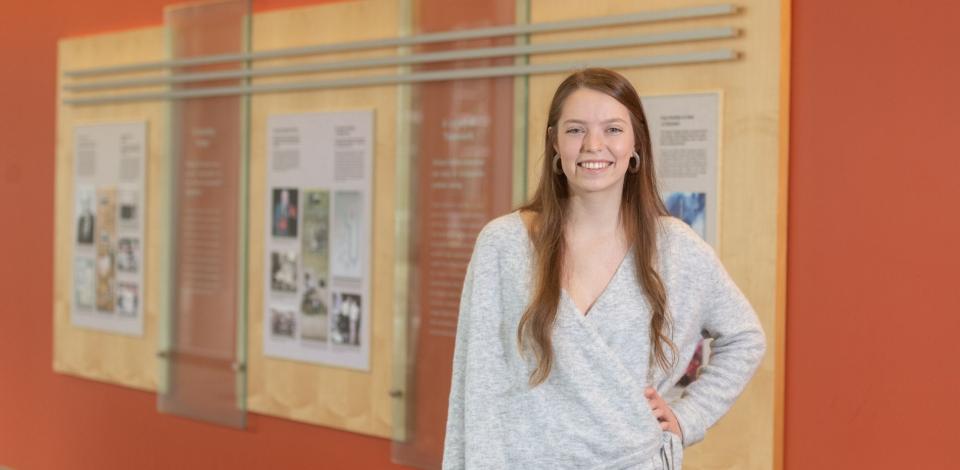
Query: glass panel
x,y
202,347
461,166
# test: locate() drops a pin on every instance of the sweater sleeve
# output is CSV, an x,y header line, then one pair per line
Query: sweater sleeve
x,y
472,437
735,352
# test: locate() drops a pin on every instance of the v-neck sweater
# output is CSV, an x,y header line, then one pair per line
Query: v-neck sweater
x,y
590,413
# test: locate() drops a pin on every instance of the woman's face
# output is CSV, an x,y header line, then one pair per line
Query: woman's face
x,y
595,141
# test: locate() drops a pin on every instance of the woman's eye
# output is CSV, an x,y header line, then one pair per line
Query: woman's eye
x,y
574,130
614,130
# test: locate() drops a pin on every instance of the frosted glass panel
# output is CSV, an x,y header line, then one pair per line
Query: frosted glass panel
x,y
461,162
203,347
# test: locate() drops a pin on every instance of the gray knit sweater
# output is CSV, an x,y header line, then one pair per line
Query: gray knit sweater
x,y
591,413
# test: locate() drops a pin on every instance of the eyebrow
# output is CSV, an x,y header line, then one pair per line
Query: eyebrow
x,y
578,121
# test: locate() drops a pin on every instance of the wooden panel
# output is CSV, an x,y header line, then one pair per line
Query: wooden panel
x,y
107,357
780,327
752,179
346,399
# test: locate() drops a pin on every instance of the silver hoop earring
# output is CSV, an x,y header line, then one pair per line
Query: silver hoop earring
x,y
634,167
556,164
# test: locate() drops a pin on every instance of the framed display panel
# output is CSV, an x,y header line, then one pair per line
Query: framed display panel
x,y
352,400
752,205
124,360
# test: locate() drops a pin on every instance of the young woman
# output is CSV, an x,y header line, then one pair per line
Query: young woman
x,y
583,308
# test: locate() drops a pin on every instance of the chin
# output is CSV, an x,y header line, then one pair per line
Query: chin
x,y
595,186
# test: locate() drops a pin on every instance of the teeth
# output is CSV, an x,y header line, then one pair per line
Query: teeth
x,y
594,165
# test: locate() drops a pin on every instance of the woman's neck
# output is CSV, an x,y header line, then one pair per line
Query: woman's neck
x,y
594,215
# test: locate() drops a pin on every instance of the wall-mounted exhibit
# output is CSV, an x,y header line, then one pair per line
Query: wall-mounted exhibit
x,y
274,212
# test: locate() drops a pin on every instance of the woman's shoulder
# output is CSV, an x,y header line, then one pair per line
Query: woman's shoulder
x,y
679,239
505,230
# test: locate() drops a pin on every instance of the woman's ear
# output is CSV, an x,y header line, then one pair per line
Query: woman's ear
x,y
549,137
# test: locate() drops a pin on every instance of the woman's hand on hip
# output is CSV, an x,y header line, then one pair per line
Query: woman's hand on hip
x,y
668,421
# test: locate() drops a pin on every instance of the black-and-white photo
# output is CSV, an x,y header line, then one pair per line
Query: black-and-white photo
x,y
128,298
128,255
282,322
283,271
127,205
86,218
345,322
313,307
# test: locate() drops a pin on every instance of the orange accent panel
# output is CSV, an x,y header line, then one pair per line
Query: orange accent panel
x,y
873,311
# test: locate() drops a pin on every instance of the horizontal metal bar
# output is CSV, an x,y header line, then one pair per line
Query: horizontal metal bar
x,y
458,74
198,357
468,54
446,36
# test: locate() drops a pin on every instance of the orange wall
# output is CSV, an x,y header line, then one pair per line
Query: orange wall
x,y
873,306
873,311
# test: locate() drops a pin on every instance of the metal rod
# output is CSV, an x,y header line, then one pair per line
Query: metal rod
x,y
468,54
446,36
459,74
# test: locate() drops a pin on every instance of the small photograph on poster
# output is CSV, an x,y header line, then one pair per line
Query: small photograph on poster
x,y
283,271
285,210
86,220
128,255
315,253
106,228
282,322
313,309
347,229
345,322
129,213
128,298
84,283
690,208
316,231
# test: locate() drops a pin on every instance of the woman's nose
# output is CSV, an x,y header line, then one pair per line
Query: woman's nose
x,y
592,142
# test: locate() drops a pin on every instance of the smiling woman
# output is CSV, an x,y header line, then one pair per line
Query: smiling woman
x,y
571,328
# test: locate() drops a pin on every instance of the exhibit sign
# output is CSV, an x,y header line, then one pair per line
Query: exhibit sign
x,y
684,132
461,176
109,187
201,347
318,237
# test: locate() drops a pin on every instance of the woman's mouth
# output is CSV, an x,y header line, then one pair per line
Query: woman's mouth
x,y
594,165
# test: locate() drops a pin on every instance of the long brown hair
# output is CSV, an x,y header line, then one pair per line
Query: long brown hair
x,y
640,209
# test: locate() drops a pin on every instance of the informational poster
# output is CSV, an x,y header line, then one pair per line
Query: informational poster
x,y
318,236
109,188
684,130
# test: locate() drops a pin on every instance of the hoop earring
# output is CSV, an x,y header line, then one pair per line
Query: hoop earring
x,y
631,167
557,169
